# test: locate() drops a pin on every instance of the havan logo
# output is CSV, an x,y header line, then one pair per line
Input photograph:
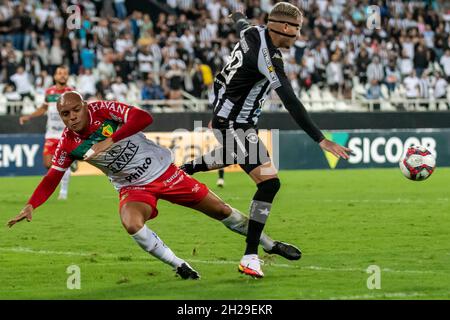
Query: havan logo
x,y
120,156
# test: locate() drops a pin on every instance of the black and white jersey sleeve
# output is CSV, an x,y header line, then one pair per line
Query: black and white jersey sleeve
x,y
291,102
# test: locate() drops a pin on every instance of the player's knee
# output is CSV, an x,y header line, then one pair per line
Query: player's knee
x,y
130,221
132,227
267,190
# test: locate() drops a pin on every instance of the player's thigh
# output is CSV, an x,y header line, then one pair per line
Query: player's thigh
x,y
213,207
133,215
257,163
263,172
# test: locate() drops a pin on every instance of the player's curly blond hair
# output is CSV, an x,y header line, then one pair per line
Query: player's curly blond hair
x,y
285,9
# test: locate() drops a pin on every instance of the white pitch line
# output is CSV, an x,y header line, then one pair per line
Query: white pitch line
x,y
216,262
382,295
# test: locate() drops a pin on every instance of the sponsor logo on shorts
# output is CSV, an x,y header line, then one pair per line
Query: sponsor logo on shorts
x,y
139,171
119,156
172,177
124,196
196,188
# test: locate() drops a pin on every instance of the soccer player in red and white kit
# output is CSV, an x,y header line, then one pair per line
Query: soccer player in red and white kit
x,y
55,126
107,134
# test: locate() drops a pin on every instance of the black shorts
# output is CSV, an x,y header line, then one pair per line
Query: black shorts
x,y
240,144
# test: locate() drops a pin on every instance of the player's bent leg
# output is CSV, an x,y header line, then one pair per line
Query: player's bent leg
x,y
237,222
210,161
133,216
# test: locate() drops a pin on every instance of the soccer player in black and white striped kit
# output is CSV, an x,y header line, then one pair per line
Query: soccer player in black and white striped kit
x,y
256,67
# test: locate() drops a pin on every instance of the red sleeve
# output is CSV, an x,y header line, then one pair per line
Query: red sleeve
x,y
136,120
61,158
45,189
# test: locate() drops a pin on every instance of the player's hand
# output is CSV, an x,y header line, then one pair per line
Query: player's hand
x,y
235,16
97,148
335,149
26,213
24,119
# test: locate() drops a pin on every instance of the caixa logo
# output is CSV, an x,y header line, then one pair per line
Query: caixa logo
x,y
385,149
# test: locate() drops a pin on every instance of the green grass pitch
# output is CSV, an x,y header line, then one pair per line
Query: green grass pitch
x,y
343,220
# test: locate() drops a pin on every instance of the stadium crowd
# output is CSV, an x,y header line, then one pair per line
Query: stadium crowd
x,y
113,53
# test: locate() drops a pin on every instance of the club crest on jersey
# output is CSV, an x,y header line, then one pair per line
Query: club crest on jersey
x,y
107,131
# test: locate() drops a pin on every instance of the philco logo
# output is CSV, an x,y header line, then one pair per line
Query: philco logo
x,y
107,131
340,138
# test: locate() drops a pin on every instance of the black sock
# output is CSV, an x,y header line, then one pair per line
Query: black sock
x,y
255,229
221,172
259,212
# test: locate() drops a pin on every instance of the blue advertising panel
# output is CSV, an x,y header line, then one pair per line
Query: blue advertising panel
x,y
21,154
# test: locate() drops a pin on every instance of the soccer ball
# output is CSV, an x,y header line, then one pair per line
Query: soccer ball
x,y
418,163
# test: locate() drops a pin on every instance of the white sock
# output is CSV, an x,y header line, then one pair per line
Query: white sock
x,y
64,189
238,223
150,242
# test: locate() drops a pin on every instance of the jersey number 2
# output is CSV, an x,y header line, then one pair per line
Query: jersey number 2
x,y
235,63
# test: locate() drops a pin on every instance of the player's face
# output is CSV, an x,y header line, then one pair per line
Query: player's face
x,y
61,76
288,29
75,115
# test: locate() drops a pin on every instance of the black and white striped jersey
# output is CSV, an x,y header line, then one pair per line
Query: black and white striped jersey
x,y
256,66
244,83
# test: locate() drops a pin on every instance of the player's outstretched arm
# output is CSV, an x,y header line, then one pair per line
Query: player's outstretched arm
x,y
137,120
43,191
39,112
240,22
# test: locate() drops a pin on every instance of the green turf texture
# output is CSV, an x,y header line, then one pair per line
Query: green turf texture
x,y
343,220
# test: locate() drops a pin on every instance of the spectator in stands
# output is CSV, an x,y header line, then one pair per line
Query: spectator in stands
x,y
22,82
174,82
424,89
445,63
121,10
119,89
198,84
43,82
145,62
151,91
335,75
440,89
421,58
362,63
86,84
87,57
375,70
412,86
201,30
374,93
393,77
103,88
13,98
405,64
56,56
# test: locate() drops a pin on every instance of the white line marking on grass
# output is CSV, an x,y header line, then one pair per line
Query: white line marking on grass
x,y
216,262
398,200
382,295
